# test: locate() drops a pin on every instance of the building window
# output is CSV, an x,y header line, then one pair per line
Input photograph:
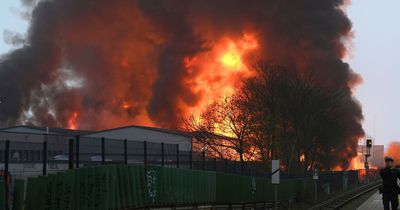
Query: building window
x,y
31,155
25,155
37,155
15,155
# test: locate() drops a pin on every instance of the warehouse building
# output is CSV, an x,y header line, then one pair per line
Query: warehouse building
x,y
149,134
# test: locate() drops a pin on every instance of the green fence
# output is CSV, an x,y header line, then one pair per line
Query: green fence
x,y
2,194
122,186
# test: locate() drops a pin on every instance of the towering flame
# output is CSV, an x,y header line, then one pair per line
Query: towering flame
x,y
73,121
221,70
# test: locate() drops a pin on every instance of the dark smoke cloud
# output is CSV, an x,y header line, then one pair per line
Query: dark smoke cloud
x,y
133,51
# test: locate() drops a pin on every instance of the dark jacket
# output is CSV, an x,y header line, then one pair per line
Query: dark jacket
x,y
389,180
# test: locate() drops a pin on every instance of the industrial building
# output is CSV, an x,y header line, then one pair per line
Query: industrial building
x,y
149,134
34,134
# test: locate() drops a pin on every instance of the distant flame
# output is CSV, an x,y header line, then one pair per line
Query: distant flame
x,y
302,158
356,163
73,121
393,151
126,105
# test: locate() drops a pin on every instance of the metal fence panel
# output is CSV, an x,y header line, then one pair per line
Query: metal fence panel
x,y
114,151
135,152
90,152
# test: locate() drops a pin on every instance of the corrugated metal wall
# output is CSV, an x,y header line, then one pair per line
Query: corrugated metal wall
x,y
122,186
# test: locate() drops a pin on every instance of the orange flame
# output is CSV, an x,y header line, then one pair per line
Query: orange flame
x,y
220,71
302,158
73,121
232,58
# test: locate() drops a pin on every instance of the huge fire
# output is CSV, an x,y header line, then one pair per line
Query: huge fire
x,y
215,73
151,62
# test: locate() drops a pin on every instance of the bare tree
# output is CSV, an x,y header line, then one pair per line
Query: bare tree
x,y
282,113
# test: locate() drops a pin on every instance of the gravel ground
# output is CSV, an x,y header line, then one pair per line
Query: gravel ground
x,y
356,203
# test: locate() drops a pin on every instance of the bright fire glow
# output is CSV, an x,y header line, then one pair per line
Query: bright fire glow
x,y
220,71
356,163
126,105
73,121
232,59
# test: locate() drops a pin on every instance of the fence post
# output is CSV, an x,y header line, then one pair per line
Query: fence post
x,y
6,163
125,151
103,151
226,165
162,154
215,164
203,159
7,156
191,159
145,155
44,171
71,154
77,140
177,156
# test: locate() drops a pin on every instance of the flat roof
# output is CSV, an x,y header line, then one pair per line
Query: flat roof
x,y
59,131
170,131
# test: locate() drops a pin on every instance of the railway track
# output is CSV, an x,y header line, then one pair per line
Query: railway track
x,y
341,200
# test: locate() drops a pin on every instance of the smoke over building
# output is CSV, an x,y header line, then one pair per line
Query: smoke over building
x,y
99,64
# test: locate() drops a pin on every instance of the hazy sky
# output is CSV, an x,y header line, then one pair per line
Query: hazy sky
x,y
375,56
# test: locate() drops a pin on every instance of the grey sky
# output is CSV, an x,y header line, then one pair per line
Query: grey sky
x,y
374,55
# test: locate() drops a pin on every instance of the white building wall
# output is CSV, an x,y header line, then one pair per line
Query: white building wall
x,y
22,129
143,134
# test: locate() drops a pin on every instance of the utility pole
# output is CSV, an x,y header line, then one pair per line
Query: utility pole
x,y
315,178
368,145
275,180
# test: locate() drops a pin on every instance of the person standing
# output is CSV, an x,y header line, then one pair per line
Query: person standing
x,y
389,189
